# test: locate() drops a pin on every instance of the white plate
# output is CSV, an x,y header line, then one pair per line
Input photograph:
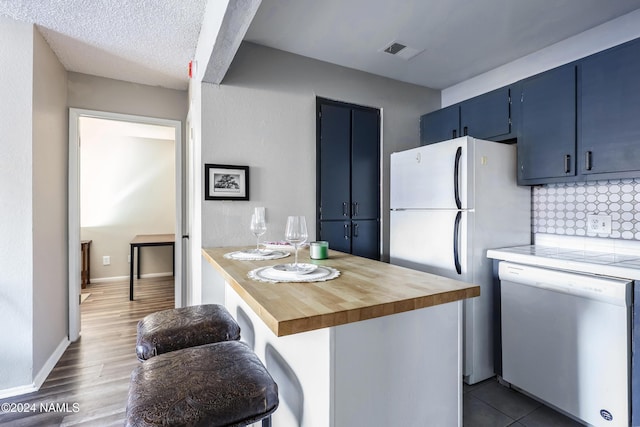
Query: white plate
x,y
269,274
258,252
251,255
282,245
291,269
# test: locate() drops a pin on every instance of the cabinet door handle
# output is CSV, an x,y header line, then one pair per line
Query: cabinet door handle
x,y
355,230
345,209
346,232
587,160
567,163
356,209
465,131
455,133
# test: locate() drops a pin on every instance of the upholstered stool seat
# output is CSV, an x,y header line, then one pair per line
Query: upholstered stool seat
x,y
175,329
222,384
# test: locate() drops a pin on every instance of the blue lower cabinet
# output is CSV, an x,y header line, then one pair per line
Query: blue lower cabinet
x,y
359,237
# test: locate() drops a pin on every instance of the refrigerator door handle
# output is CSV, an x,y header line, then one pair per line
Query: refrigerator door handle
x,y
456,178
456,240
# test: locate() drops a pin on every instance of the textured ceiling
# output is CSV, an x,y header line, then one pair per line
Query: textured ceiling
x,y
458,38
152,41
141,41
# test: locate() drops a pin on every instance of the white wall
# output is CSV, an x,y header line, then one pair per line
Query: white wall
x,y
16,245
116,96
263,116
196,186
609,34
127,187
33,188
50,212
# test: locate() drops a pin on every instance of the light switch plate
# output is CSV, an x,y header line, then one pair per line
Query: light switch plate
x,y
599,224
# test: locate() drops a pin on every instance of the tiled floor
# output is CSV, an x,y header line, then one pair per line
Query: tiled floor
x,y
490,404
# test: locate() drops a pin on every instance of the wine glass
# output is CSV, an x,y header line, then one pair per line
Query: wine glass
x,y
296,234
258,226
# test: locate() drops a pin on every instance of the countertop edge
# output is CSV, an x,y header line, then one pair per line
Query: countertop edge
x,y
563,264
269,320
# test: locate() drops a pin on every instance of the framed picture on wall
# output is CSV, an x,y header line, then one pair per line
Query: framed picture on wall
x,y
226,182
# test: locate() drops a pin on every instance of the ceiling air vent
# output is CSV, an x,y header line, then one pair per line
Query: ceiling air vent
x,y
401,50
394,48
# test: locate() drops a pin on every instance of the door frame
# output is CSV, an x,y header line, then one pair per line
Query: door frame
x,y
74,207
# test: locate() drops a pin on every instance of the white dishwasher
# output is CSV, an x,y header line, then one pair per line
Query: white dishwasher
x,y
566,340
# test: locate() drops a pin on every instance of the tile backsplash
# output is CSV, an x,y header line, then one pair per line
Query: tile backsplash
x,y
562,208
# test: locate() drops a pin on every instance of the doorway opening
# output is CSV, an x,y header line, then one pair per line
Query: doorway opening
x,y
125,179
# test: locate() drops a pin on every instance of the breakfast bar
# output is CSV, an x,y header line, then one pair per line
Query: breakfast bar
x,y
378,345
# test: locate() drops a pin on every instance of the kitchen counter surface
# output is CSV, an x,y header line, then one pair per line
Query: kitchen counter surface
x,y
606,262
366,289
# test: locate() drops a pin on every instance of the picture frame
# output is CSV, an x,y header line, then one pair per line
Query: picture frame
x,y
226,182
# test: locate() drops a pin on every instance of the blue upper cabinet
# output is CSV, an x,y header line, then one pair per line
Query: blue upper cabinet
x,y
547,131
609,113
440,125
487,116
335,162
577,122
365,164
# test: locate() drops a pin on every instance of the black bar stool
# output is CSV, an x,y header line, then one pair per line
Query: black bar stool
x,y
178,328
221,384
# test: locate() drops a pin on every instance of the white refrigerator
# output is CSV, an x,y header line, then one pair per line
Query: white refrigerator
x,y
451,202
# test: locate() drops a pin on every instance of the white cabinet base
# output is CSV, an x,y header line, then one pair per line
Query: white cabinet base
x,y
403,369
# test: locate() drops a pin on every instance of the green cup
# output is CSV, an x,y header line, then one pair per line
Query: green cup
x,y
319,250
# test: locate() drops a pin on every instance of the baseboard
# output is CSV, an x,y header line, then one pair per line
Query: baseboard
x,y
17,391
41,376
121,278
51,363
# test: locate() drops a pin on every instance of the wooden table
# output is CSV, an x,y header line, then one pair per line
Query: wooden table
x,y
142,240
85,275
379,345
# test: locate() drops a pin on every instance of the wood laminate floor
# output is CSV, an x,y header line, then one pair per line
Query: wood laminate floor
x,y
89,385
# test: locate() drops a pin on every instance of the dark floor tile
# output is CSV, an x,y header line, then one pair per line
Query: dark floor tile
x,y
466,388
547,417
509,402
476,413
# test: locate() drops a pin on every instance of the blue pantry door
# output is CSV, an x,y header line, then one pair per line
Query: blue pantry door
x,y
348,177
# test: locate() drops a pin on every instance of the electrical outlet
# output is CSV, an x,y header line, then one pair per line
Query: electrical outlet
x,y
599,224
106,260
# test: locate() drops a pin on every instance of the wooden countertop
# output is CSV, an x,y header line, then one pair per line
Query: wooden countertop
x,y
147,239
365,289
